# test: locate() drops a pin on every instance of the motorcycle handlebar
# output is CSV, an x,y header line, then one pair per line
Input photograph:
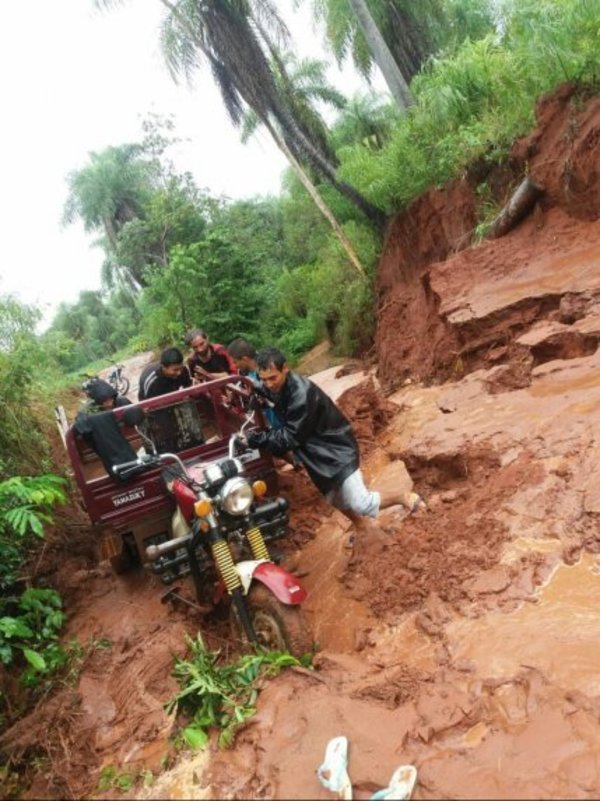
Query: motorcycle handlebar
x,y
125,469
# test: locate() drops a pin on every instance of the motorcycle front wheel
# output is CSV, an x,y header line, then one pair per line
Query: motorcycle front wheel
x,y
278,627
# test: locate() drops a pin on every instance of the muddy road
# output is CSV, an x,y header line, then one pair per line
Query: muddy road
x,y
464,640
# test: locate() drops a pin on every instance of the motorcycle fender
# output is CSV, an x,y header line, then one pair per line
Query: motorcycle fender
x,y
179,525
285,587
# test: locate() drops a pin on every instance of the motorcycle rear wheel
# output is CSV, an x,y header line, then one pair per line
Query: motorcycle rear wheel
x,y
279,627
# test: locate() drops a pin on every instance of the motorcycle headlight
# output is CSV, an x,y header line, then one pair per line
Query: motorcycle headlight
x,y
237,496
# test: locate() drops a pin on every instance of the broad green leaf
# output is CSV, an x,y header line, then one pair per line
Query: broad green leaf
x,y
195,738
36,660
14,627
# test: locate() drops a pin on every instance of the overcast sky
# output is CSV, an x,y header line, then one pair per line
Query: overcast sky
x,y
76,80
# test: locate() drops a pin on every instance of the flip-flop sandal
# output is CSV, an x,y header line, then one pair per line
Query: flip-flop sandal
x,y
333,773
401,785
416,503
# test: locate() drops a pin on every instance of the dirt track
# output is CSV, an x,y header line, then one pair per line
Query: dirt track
x,y
466,640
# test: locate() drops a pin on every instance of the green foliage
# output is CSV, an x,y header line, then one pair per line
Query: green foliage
x,y
221,695
304,230
25,504
473,103
221,282
488,210
17,321
303,86
113,779
22,366
270,269
32,630
325,299
24,501
367,120
110,191
345,36
175,214
30,621
93,328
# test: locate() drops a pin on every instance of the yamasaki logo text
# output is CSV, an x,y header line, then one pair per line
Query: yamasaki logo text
x,y
133,495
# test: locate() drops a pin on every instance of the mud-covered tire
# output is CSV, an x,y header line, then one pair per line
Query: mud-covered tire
x,y
279,627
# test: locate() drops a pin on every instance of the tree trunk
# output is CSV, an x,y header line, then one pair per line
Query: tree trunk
x,y
293,134
382,55
319,202
519,205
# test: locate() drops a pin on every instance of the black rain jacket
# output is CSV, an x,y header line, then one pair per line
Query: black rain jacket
x,y
314,429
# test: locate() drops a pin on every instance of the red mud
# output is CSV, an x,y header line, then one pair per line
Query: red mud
x,y
464,640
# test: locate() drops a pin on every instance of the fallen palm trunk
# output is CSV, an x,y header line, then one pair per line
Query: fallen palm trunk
x,y
519,205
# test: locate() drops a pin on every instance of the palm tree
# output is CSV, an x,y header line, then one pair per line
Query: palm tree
x,y
302,83
223,32
367,119
397,83
226,34
109,191
392,33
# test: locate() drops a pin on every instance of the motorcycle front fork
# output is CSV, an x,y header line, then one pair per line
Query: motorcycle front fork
x,y
223,558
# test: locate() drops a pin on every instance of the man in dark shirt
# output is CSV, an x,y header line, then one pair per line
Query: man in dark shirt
x,y
102,397
167,375
243,354
208,360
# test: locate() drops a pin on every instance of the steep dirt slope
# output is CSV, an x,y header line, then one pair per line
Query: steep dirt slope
x,y
446,307
465,640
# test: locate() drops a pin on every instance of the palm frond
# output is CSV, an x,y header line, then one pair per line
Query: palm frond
x,y
250,124
267,15
231,97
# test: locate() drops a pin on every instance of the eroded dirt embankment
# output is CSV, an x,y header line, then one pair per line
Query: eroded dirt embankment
x,y
446,307
465,640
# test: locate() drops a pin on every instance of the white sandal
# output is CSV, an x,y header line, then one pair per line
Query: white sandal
x,y
401,785
333,773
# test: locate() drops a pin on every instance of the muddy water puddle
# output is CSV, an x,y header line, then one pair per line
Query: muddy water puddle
x,y
558,634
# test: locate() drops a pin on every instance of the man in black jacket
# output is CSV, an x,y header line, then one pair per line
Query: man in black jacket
x,y
321,437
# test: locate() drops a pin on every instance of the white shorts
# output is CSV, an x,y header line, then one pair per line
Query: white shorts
x,y
353,496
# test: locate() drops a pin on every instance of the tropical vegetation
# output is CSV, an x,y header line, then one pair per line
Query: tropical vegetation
x,y
281,269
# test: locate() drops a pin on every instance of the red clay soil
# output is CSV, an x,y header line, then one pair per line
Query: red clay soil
x,y
464,639
413,339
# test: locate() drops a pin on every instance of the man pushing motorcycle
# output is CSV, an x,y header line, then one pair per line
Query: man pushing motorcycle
x,y
321,437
